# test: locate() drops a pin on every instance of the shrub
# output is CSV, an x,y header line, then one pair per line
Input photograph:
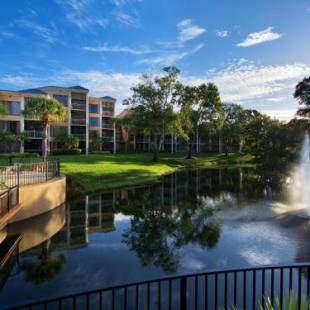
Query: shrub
x,y
101,152
67,152
19,155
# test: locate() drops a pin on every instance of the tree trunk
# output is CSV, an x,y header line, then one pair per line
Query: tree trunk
x,y
155,155
220,144
189,150
45,141
156,147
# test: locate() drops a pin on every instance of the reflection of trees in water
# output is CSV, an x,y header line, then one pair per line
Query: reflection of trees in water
x,y
182,210
157,234
45,268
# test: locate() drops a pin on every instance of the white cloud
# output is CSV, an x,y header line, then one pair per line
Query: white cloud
x,y
276,99
260,37
170,58
120,49
240,82
188,31
127,19
284,115
47,34
222,33
78,13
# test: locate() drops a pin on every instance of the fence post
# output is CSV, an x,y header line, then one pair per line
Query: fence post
x,y
183,292
8,200
18,172
46,170
58,167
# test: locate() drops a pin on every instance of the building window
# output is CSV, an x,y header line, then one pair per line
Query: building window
x,y
12,107
94,108
15,108
94,121
63,99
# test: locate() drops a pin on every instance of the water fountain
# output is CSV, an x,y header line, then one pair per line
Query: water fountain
x,y
301,186
304,171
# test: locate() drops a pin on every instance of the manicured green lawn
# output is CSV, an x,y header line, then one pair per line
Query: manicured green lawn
x,y
107,171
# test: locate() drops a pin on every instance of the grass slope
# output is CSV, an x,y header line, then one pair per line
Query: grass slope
x,y
107,171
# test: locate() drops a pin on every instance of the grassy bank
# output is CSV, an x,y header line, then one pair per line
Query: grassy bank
x,y
107,171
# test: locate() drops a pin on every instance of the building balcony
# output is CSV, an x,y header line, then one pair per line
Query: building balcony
x,y
36,134
78,121
107,113
107,125
78,106
81,136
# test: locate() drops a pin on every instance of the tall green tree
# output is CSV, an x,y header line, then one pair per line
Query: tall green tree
x,y
188,117
302,94
48,110
153,101
200,107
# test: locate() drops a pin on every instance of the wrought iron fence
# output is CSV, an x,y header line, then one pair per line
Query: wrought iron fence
x,y
241,288
26,173
9,198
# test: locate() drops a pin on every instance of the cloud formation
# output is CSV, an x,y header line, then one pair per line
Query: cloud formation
x,y
222,33
120,49
188,31
170,57
255,38
45,33
241,82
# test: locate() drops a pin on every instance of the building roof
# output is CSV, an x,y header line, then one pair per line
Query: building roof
x,y
77,87
33,91
108,98
9,91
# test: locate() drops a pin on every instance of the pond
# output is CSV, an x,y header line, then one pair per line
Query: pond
x,y
190,222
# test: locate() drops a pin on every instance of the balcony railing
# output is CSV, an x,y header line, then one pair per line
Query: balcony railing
x,y
81,136
107,113
107,125
78,106
34,133
246,288
78,121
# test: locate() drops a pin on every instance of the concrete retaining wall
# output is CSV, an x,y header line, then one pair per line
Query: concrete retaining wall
x,y
40,198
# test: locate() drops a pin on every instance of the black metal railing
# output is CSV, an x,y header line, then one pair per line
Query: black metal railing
x,y
26,173
9,198
239,288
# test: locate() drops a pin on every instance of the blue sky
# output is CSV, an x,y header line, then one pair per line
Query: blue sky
x,y
255,51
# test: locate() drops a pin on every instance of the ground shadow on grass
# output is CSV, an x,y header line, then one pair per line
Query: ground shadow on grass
x,y
92,182
171,160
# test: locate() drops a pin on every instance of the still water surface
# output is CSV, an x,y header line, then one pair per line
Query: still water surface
x,y
192,221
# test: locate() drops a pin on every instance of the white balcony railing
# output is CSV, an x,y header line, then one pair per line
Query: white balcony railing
x,y
78,106
77,121
34,133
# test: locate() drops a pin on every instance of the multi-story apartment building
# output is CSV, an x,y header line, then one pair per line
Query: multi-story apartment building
x,y
88,117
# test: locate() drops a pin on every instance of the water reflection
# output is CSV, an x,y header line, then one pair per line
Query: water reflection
x,y
191,221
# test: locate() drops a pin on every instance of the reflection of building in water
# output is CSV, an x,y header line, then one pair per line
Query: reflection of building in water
x,y
93,213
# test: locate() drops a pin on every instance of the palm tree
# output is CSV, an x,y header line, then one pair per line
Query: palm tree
x,y
48,110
